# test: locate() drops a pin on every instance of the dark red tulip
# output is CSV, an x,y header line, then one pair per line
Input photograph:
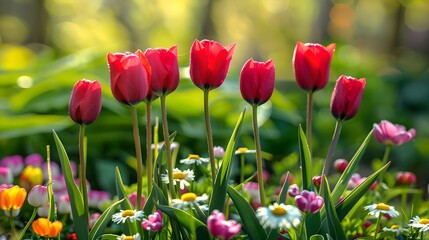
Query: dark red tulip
x,y
165,69
257,81
346,97
85,101
311,64
209,63
130,75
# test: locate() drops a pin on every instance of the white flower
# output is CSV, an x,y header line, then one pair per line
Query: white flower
x,y
376,209
123,215
193,158
180,176
279,216
243,150
422,223
186,201
125,237
395,229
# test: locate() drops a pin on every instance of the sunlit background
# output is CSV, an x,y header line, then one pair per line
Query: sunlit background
x,y
46,46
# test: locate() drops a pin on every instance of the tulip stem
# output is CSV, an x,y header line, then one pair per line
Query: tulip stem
x,y
167,147
258,153
383,162
21,235
138,156
149,156
12,223
82,171
308,125
377,226
209,134
334,142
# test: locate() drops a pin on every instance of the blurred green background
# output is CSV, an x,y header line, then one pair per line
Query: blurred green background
x,y
48,45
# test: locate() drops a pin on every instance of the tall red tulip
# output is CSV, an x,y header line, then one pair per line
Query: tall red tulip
x,y
257,81
130,74
311,63
165,69
346,97
85,101
209,63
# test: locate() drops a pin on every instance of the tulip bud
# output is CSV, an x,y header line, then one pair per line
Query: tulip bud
x,y
392,134
153,222
221,228
133,199
209,63
346,97
340,165
257,81
30,177
38,196
85,101
317,181
130,76
311,63
309,202
165,70
405,178
219,152
293,190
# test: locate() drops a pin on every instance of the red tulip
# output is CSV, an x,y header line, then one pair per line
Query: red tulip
x,y
257,81
165,69
311,63
209,63
346,97
85,101
130,75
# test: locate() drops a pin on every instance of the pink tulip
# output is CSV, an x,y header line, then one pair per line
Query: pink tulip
x,y
392,134
38,196
309,202
221,228
153,222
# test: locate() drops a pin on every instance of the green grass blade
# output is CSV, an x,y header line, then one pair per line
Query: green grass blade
x,y
218,196
350,200
126,204
334,225
305,157
76,201
105,218
283,192
248,217
341,185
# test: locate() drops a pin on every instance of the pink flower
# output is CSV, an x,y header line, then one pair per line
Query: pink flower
x,y
38,196
317,180
35,159
64,206
405,178
133,199
340,165
221,228
252,188
97,198
293,190
6,175
392,134
153,222
309,202
93,218
14,163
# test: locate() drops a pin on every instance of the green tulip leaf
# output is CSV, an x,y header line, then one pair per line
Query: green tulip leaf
x,y
334,225
283,192
305,157
105,218
126,204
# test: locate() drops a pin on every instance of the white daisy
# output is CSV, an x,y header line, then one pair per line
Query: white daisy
x,y
376,209
395,229
193,158
187,199
180,176
243,150
123,215
279,216
125,237
422,223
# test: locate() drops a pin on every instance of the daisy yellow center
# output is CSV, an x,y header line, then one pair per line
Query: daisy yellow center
x,y
193,156
395,227
382,206
242,149
179,175
188,197
128,213
424,221
279,211
128,238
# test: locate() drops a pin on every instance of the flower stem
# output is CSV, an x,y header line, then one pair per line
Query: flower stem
x,y
82,173
386,155
308,125
21,235
334,142
149,156
258,153
377,227
209,134
167,146
138,149
303,231
12,223
242,162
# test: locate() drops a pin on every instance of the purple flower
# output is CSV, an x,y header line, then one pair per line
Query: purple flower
x,y
221,228
153,222
219,152
15,163
35,159
293,190
392,134
309,202
6,175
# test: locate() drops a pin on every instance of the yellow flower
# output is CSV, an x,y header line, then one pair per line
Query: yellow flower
x,y
12,198
45,228
30,177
